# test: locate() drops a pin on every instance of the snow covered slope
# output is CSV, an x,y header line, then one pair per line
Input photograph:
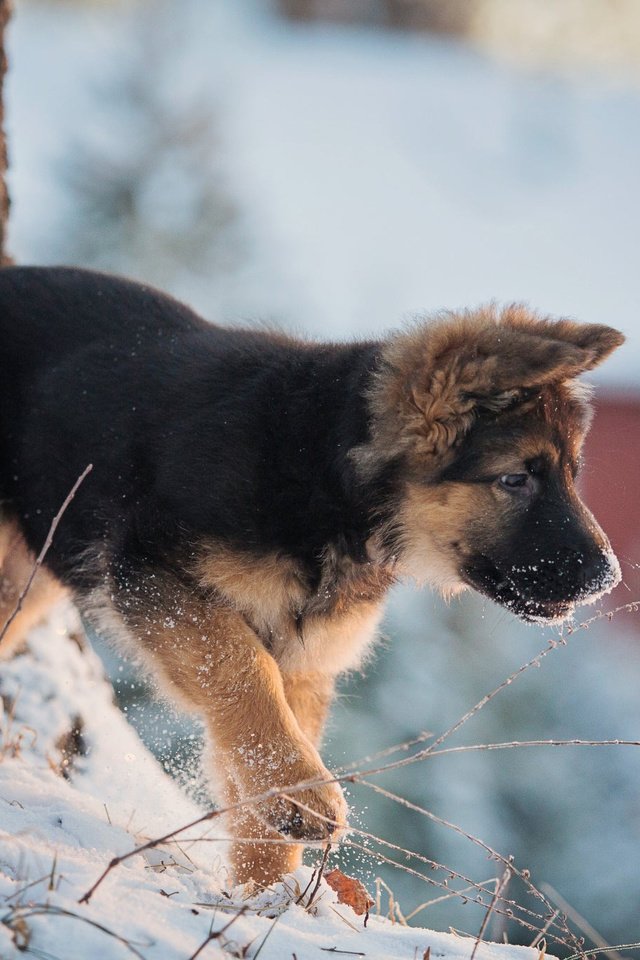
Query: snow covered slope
x,y
57,834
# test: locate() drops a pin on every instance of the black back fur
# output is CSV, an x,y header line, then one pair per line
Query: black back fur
x,y
195,431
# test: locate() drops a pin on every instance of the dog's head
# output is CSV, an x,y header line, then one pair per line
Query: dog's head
x,y
484,421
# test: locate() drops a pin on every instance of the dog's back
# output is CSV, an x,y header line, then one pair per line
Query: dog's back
x,y
187,423
49,315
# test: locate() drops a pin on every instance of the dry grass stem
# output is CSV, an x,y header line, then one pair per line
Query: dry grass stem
x,y
319,871
19,916
522,874
500,888
45,549
510,744
217,934
580,922
596,950
541,934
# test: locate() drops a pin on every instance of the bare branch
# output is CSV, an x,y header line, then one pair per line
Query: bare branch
x,y
511,744
502,885
45,549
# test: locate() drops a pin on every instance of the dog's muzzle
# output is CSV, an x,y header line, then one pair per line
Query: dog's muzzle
x,y
549,587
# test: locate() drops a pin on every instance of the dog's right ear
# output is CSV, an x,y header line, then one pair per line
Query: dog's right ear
x,y
435,379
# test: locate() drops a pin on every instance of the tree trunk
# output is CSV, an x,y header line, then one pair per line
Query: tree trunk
x,y
5,259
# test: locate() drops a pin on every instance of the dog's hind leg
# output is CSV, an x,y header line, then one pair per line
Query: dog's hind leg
x,y
16,566
208,657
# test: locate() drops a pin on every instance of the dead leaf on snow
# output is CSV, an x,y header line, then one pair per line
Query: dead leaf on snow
x,y
350,891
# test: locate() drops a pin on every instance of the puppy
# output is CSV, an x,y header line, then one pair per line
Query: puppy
x,y
253,497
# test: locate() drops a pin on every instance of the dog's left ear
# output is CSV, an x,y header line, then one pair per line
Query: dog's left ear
x,y
435,379
596,340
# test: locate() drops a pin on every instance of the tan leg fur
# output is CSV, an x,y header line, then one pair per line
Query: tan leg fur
x,y
210,659
309,695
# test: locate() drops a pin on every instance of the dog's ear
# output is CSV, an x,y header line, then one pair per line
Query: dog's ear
x,y
508,357
595,339
435,379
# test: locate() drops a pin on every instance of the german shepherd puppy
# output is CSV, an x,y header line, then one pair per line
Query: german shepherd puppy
x,y
253,496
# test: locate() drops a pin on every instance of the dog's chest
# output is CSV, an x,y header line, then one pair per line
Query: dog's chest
x,y
326,629
330,644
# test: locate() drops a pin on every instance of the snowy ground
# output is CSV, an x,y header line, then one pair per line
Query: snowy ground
x,y
58,834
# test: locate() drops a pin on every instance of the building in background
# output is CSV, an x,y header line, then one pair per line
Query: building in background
x,y
612,457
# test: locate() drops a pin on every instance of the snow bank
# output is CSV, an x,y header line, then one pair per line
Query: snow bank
x,y
60,831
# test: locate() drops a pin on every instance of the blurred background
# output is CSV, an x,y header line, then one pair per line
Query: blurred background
x,y
338,166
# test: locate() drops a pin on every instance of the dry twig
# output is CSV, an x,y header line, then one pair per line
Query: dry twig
x,y
20,914
217,934
501,886
45,549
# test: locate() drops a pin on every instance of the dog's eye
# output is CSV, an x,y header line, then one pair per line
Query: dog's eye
x,y
511,481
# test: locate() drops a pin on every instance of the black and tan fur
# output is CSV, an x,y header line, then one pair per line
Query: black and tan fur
x,y
254,496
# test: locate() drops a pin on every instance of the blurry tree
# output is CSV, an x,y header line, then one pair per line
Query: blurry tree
x,y
144,191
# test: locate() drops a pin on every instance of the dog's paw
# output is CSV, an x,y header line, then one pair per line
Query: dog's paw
x,y
315,813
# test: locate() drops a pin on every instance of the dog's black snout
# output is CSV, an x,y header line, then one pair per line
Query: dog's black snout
x,y
574,573
600,571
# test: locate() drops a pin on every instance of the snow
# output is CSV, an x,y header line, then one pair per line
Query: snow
x,y
59,834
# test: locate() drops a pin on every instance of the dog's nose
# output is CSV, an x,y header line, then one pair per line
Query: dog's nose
x,y
600,571
589,570
573,574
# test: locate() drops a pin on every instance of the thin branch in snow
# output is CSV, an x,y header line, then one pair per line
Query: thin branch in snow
x,y
27,886
502,885
266,937
217,934
320,873
580,922
420,876
345,953
541,933
480,889
522,874
387,752
448,896
510,744
18,914
597,950
45,549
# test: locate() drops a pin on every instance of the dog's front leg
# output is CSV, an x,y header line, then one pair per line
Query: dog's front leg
x,y
208,658
309,695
